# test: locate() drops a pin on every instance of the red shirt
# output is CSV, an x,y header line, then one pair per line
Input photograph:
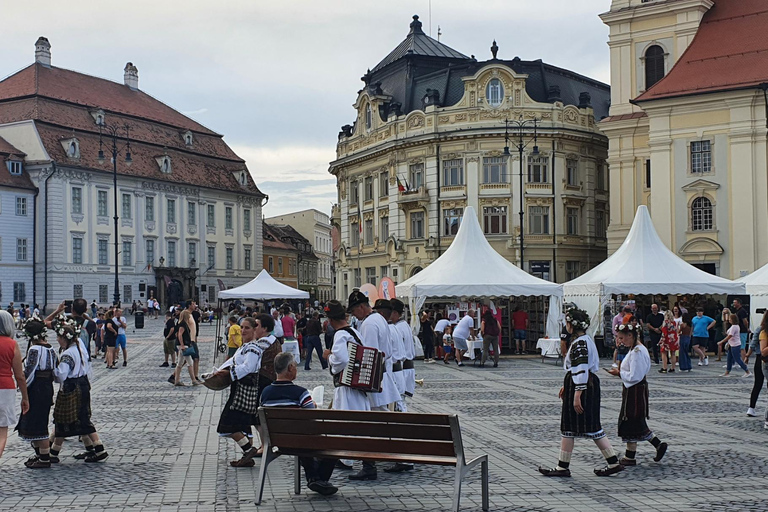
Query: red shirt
x,y
289,326
7,349
519,318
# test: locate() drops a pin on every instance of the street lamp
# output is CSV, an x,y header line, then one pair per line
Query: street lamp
x,y
521,127
112,133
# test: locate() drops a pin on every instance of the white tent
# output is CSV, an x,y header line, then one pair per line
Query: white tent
x,y
470,267
757,289
643,265
263,287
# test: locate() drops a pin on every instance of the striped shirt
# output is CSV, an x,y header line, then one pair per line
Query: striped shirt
x,y
284,393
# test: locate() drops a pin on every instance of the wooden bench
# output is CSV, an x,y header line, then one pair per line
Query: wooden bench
x,y
433,439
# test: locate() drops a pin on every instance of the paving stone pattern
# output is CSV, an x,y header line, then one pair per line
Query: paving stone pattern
x,y
165,454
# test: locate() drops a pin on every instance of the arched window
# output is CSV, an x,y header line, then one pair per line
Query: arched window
x,y
701,214
654,65
368,117
494,92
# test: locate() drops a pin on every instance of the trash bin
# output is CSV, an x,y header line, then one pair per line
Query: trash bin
x,y
139,318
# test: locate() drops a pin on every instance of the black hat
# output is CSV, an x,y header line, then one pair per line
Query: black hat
x,y
382,304
334,310
397,305
355,299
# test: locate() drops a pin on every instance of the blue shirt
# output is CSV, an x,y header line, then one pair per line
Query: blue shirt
x,y
286,394
700,326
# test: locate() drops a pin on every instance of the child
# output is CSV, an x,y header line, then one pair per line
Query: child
x,y
447,343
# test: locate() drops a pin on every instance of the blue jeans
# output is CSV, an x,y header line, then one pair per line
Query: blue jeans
x,y
313,342
734,355
685,353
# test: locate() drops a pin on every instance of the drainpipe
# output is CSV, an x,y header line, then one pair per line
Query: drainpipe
x,y
45,238
34,248
439,209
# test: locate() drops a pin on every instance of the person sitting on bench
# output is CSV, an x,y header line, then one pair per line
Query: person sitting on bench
x,y
284,393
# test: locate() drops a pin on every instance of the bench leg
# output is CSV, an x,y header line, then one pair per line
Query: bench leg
x,y
484,476
266,458
296,476
457,488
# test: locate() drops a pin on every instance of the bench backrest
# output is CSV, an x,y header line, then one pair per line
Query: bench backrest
x,y
294,430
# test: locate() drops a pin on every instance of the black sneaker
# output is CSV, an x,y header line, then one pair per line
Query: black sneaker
x,y
173,365
125,363
323,488
164,365
172,379
364,475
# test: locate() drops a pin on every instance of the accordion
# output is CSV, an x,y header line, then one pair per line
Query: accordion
x,y
364,371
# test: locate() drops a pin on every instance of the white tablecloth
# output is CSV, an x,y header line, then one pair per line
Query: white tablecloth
x,y
293,348
471,346
550,347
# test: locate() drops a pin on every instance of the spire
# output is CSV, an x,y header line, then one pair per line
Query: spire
x,y
416,25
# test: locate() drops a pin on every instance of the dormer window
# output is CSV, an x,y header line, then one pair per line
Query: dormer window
x,y
71,148
494,93
188,138
243,179
164,162
99,117
14,167
368,117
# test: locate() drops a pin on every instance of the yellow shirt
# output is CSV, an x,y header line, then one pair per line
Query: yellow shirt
x,y
235,337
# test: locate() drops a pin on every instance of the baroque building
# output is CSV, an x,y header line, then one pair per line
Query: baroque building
x,y
687,127
429,140
189,212
280,257
314,225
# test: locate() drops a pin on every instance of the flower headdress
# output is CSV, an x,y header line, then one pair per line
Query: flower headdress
x,y
59,324
627,327
34,329
578,318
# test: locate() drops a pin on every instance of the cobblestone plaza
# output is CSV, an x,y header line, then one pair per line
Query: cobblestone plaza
x,y
165,454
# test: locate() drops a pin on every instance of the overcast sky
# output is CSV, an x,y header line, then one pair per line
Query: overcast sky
x,y
278,78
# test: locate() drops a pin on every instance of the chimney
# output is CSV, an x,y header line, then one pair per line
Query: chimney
x,y
131,76
43,51
585,100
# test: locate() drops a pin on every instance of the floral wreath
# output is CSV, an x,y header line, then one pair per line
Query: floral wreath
x,y
62,321
578,318
41,336
627,327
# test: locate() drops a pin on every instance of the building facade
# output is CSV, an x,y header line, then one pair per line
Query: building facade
x,y
306,260
687,127
188,213
429,140
314,225
17,241
280,258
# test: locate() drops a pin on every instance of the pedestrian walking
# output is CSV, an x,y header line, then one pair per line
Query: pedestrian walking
x,y
701,326
654,321
685,343
764,352
634,395
312,333
489,330
169,340
754,348
11,376
234,337
669,343
110,338
427,337
733,339
580,394
121,342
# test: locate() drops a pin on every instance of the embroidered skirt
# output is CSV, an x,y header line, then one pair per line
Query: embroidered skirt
x,y
33,426
586,424
72,412
634,412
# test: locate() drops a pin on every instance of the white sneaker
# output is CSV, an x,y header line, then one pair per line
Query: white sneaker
x,y
701,364
765,425
748,374
751,412
614,365
706,361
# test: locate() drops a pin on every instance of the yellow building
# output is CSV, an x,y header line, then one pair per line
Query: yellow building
x,y
429,140
687,127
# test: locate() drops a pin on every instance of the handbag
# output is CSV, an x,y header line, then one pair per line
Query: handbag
x,y
189,351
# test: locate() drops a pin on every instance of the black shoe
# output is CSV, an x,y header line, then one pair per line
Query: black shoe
x,y
84,455
662,370
97,457
164,365
323,488
625,461
495,365
608,470
173,365
171,379
554,471
342,466
307,369
125,363
364,475
54,459
660,451
398,468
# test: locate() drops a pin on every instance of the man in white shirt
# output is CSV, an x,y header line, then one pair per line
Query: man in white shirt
x,y
119,321
461,333
278,332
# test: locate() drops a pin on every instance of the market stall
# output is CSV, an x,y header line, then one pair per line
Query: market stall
x,y
471,269
263,287
643,265
757,288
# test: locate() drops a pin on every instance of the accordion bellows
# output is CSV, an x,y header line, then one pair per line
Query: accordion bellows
x,y
365,369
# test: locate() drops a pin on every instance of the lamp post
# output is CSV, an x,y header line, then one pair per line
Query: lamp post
x,y
112,133
521,126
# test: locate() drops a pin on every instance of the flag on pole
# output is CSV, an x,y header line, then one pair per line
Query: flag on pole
x,y
167,280
221,285
400,186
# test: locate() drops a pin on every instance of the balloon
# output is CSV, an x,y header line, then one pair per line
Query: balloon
x,y
386,288
370,291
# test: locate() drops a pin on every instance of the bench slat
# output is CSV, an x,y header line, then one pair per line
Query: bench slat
x,y
358,444
348,428
373,456
286,413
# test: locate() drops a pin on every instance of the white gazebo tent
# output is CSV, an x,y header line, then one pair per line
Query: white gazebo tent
x,y
471,268
263,287
643,265
757,289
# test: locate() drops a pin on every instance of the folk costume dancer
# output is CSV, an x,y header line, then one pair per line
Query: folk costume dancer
x,y
240,411
409,373
345,398
72,411
400,355
580,394
634,395
40,362
375,333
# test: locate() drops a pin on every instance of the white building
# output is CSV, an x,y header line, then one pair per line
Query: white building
x,y
17,203
189,213
315,226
